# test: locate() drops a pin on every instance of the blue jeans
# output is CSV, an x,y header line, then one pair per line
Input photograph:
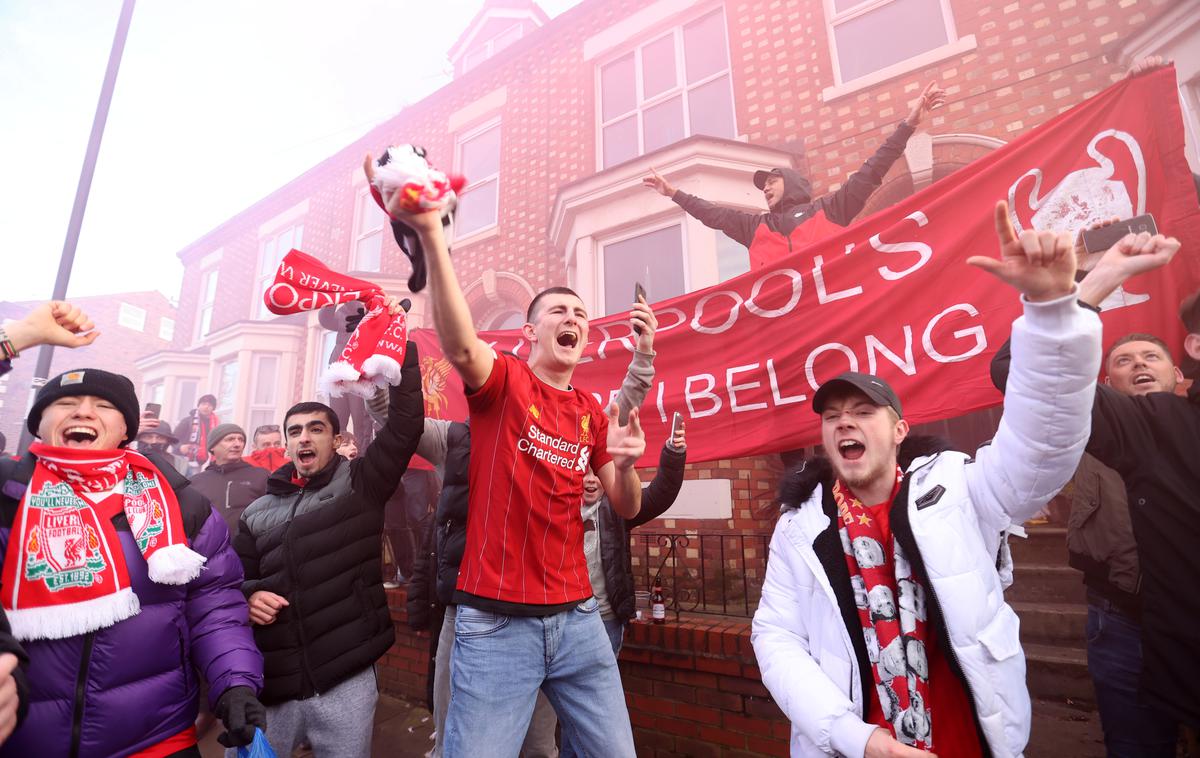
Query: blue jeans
x,y
616,635
499,663
1114,652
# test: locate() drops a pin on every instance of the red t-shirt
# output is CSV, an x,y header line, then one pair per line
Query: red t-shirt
x,y
531,445
954,730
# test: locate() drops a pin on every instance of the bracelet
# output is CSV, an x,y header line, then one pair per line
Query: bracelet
x,y
7,348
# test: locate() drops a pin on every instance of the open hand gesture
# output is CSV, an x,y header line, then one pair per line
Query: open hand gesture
x,y
625,443
932,97
1039,264
658,184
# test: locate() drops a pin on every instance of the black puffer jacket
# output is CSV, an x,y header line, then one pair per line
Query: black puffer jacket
x,y
319,546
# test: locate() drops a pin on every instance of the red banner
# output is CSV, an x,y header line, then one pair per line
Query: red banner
x,y
892,294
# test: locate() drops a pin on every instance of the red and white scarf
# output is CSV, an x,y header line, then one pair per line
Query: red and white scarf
x,y
64,572
375,351
891,608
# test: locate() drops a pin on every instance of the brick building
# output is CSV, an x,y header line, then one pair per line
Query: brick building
x,y
133,325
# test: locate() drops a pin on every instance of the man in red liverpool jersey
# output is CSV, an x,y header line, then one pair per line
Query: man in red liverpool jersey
x,y
526,616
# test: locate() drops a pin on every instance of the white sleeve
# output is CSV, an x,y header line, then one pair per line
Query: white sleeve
x,y
1047,413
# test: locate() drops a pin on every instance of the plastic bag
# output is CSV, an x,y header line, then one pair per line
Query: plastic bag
x,y
259,748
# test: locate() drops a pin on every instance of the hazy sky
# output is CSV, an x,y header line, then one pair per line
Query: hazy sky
x,y
217,103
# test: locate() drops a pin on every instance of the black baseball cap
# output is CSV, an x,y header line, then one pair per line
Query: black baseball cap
x,y
879,391
761,176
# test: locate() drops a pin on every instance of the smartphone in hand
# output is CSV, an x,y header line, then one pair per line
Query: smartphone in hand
x,y
639,296
1100,240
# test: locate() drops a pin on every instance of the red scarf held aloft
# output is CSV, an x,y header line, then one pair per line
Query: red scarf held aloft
x,y
64,573
891,608
375,351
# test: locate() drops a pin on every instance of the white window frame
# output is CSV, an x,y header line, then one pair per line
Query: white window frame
x,y
166,328
272,407
954,45
259,310
489,48
230,411
362,198
131,317
637,231
682,87
461,140
205,312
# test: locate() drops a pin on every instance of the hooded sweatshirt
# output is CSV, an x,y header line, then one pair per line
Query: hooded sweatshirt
x,y
798,220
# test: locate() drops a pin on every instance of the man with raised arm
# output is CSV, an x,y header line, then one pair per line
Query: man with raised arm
x,y
882,629
526,616
794,218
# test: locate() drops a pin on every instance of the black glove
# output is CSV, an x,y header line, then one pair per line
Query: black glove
x,y
240,711
353,319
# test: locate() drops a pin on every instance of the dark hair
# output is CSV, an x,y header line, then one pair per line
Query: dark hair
x,y
265,429
538,298
1189,312
1138,337
311,406
210,399
348,437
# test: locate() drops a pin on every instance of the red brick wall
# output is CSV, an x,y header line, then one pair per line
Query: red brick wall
x,y
1033,60
692,687
116,351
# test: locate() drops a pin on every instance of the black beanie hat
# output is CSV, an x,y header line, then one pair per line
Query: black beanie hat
x,y
114,388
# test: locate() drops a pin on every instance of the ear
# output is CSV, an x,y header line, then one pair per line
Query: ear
x,y
529,333
902,430
1108,379
1191,345
1178,375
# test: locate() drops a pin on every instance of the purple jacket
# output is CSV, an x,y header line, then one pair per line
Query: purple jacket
x,y
129,686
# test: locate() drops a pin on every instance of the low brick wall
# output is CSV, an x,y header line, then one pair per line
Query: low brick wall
x,y
692,686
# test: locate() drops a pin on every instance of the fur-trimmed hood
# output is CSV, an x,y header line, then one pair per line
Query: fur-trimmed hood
x,y
799,482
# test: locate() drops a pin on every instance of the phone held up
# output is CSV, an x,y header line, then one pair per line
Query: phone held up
x,y
639,296
1099,240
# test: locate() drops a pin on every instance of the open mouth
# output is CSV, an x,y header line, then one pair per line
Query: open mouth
x,y
79,436
305,457
1143,379
851,450
568,339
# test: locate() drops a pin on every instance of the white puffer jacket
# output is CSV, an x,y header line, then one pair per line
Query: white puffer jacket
x,y
802,644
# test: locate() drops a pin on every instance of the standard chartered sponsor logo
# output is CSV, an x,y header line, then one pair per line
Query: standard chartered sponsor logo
x,y
554,450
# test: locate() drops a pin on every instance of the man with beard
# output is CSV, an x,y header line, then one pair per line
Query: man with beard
x,y
794,219
155,437
941,517
526,616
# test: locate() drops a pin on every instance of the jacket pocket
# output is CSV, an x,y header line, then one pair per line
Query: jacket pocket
x,y
369,611
472,622
1002,635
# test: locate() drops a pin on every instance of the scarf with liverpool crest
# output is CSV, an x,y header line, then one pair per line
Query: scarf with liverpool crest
x,y
64,572
891,608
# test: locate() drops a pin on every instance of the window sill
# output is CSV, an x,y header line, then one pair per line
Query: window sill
x,y
958,47
479,236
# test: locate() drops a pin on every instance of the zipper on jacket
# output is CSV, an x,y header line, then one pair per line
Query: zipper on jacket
x,y
89,642
291,561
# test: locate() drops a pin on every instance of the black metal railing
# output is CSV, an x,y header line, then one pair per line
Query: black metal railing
x,y
701,572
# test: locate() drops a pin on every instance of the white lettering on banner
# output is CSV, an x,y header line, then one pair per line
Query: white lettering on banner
x,y
662,412
812,358
924,251
775,393
797,286
734,388
286,270
706,394
824,296
907,364
729,321
625,340
661,315
975,331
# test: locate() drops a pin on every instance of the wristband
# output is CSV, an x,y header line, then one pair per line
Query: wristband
x,y
8,350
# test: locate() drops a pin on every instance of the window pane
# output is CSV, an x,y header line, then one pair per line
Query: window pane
x,y
205,321
188,389
841,6
297,240
710,108
655,259
663,124
210,288
227,389
704,47
260,418
476,209
266,263
481,155
732,259
617,93
267,366
282,245
370,215
889,34
620,141
368,252
658,67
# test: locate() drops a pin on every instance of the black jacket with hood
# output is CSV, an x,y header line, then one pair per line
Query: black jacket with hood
x,y
797,205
